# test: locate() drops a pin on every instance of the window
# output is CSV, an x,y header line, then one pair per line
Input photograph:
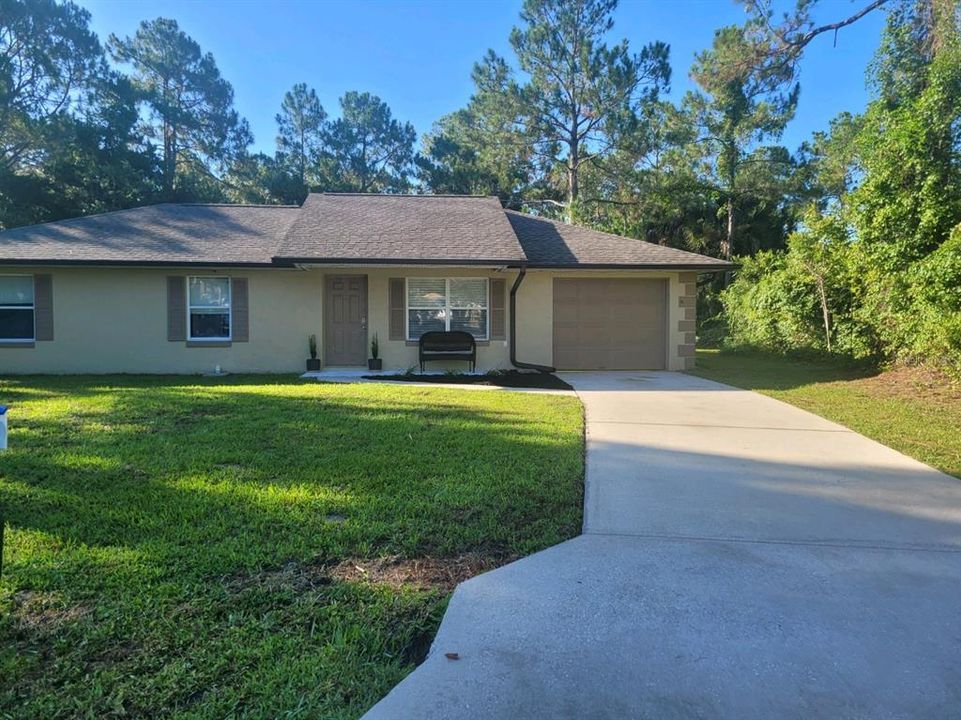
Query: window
x,y
447,304
16,308
208,308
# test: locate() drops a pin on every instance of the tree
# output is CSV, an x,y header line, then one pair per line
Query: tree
x,y
368,150
262,179
783,43
881,257
827,161
482,148
908,148
451,162
737,107
190,106
817,252
48,58
300,136
100,163
583,96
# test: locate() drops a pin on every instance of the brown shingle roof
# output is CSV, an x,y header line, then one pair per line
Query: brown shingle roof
x,y
549,243
167,234
393,228
413,229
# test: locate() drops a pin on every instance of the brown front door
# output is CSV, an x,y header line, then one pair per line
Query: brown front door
x,y
345,320
610,324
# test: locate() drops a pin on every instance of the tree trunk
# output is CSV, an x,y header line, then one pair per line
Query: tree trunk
x,y
824,311
170,148
727,245
169,160
173,161
730,175
303,157
573,159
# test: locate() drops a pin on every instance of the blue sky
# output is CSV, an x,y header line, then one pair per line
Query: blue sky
x,y
417,54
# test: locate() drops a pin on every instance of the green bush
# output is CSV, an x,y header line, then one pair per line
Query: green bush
x,y
881,258
914,316
932,326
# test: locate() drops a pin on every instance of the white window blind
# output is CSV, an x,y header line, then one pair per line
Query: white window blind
x,y
447,304
16,307
208,308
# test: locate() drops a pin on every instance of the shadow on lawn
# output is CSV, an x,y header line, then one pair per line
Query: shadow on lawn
x,y
757,370
191,482
156,519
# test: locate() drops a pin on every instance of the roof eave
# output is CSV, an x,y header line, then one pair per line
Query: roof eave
x,y
484,262
137,263
699,267
286,262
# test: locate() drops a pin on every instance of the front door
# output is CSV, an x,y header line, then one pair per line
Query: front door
x,y
345,321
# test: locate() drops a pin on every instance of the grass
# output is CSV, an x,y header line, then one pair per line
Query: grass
x,y
199,548
914,411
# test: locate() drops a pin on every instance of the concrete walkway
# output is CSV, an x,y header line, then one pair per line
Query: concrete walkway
x,y
741,559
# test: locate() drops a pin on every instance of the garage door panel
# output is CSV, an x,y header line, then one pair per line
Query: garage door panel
x,y
610,323
566,336
565,292
594,337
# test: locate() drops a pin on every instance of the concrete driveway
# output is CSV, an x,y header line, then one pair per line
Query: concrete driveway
x,y
741,559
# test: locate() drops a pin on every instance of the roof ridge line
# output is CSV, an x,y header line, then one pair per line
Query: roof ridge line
x,y
81,218
84,217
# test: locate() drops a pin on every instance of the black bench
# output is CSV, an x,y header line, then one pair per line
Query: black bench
x,y
447,345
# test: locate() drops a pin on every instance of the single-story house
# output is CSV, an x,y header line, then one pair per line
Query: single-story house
x,y
183,288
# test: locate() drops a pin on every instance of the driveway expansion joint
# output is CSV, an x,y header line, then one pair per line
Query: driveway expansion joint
x,y
839,544
840,430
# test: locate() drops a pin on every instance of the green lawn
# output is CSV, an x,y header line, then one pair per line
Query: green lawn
x,y
910,410
204,548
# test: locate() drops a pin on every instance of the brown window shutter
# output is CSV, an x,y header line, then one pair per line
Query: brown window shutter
x,y
176,308
497,309
240,315
396,308
43,307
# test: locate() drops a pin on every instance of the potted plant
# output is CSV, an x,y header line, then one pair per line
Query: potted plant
x,y
313,363
374,363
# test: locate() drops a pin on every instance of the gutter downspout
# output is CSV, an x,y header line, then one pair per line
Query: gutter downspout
x,y
513,307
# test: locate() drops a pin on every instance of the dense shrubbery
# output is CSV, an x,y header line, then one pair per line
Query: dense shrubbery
x,y
876,271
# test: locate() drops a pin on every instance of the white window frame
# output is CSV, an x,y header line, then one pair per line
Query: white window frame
x,y
447,306
32,307
230,310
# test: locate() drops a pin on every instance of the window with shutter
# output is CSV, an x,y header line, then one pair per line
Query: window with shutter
x,y
17,308
208,308
447,304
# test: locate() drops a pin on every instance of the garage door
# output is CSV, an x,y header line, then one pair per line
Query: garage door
x,y
610,324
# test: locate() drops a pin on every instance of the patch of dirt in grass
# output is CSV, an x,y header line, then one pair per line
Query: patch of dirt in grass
x,y
424,573
301,577
427,573
43,612
913,383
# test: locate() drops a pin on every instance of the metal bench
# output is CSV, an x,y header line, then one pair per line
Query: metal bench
x,y
447,345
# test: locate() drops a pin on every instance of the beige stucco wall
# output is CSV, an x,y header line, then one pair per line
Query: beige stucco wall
x,y
110,320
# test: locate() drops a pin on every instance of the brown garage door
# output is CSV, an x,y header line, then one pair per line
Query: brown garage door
x,y
610,324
